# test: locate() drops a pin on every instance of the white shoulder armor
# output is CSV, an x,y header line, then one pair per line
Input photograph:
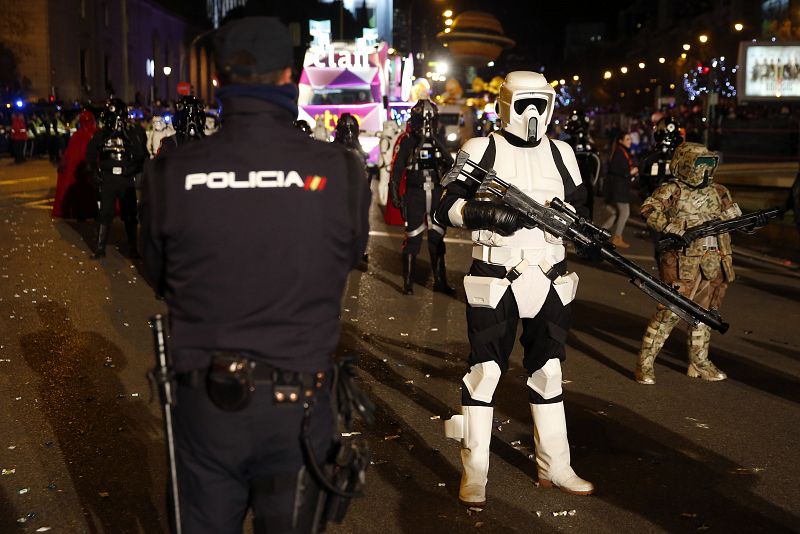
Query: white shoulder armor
x,y
475,147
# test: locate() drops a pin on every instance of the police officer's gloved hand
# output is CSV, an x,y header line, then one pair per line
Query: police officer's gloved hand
x,y
671,241
394,193
482,215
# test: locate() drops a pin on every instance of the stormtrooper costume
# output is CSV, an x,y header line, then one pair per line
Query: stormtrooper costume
x,y
391,131
159,129
532,263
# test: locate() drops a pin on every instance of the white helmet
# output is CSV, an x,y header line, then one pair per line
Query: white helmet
x,y
525,105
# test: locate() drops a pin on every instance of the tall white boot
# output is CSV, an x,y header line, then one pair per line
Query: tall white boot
x,y
474,428
552,450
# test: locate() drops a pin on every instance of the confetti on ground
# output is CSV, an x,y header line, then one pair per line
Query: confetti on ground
x,y
404,334
350,434
23,491
389,438
442,484
435,417
748,470
103,494
538,513
8,471
434,329
688,514
12,447
42,529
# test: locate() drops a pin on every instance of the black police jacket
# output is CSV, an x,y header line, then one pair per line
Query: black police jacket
x,y
250,234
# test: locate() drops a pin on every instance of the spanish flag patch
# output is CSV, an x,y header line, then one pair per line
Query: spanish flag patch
x,y
315,183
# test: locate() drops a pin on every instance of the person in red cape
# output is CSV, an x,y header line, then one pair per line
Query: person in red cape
x,y
392,215
76,196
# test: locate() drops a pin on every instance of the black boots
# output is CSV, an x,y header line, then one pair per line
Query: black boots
x,y
440,275
409,260
133,240
102,238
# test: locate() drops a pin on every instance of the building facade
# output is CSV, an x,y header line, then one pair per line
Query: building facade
x,y
83,50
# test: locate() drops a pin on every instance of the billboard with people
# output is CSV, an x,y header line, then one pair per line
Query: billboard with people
x,y
769,71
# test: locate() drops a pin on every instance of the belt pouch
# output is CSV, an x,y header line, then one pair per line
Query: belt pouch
x,y
230,382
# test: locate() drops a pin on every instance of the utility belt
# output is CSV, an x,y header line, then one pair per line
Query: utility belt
x,y
486,291
512,256
709,243
231,381
425,186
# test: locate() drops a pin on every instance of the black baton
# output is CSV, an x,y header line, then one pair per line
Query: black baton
x,y
161,375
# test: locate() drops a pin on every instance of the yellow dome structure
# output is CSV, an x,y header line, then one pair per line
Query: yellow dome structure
x,y
475,37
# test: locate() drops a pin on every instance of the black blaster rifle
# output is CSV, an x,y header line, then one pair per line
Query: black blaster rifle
x,y
557,219
746,223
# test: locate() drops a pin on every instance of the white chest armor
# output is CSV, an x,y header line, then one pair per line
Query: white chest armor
x,y
534,172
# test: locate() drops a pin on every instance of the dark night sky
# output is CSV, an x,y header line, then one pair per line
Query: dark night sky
x,y
538,26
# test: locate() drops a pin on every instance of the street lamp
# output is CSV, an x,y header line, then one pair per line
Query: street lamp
x,y
576,78
641,64
167,71
623,70
447,14
703,38
687,46
448,22
607,75
662,60
738,26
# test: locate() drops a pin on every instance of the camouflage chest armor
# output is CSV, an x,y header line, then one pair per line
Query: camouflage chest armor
x,y
694,207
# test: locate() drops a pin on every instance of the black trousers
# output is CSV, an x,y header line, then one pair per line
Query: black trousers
x,y
117,187
492,332
229,462
420,205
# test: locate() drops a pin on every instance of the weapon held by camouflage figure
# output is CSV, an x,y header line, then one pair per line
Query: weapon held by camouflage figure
x,y
746,223
558,219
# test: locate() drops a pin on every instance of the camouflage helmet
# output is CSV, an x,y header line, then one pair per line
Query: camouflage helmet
x,y
691,162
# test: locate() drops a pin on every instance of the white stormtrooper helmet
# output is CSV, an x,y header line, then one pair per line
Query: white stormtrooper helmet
x,y
525,105
159,124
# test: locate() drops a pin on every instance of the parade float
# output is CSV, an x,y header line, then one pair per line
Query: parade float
x,y
359,77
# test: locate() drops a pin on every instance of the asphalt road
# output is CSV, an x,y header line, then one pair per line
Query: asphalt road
x,y
81,447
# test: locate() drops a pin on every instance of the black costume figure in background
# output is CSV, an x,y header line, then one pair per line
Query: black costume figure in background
x,y
304,127
347,130
347,134
654,169
423,158
115,155
577,127
530,261
250,235
189,122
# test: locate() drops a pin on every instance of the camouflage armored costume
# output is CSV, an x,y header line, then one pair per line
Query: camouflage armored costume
x,y
701,270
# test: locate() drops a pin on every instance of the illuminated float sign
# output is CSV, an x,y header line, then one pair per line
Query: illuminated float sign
x,y
355,77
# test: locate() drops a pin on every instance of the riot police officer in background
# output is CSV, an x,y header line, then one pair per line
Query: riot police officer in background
x,y
115,155
250,235
422,156
577,130
189,122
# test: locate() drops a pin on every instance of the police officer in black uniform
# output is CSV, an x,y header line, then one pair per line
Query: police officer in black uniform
x,y
189,122
115,155
250,235
424,159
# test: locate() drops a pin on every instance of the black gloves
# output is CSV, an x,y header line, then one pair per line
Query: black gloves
x,y
394,194
482,215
